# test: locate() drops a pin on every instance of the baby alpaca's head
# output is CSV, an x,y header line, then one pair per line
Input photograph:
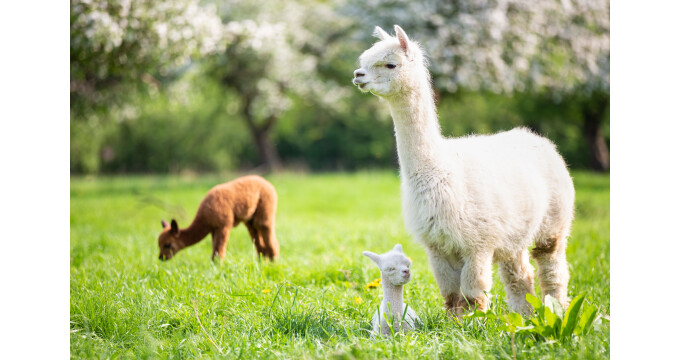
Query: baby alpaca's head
x,y
168,240
394,265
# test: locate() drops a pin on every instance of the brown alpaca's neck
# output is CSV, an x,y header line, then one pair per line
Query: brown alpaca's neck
x,y
416,127
194,233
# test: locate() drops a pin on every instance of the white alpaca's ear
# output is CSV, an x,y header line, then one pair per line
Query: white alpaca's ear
x,y
380,33
373,256
398,248
403,39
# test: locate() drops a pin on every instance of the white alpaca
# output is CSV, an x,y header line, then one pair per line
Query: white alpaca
x,y
394,274
474,200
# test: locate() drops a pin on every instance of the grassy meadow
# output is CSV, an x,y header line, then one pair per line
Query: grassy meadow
x,y
313,302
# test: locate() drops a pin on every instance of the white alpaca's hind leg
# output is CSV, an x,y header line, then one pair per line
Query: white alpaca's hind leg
x,y
518,276
553,271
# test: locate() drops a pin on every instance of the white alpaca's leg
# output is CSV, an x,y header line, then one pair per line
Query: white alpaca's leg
x,y
518,276
447,276
475,280
553,271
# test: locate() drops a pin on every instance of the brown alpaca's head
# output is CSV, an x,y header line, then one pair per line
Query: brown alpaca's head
x,y
168,240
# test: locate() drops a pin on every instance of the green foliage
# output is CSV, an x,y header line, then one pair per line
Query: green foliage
x,y
312,303
362,137
549,321
179,130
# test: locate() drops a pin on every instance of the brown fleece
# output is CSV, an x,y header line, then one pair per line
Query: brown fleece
x,y
248,199
545,248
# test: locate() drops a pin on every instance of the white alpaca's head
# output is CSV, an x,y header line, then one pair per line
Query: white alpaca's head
x,y
394,265
392,66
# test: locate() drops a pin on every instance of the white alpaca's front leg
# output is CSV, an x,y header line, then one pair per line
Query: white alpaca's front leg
x,y
447,275
476,280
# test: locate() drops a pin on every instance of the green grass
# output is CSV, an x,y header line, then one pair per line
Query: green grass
x,y
313,303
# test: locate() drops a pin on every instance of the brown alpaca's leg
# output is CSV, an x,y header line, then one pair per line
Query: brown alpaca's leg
x,y
255,237
264,220
270,241
270,248
220,237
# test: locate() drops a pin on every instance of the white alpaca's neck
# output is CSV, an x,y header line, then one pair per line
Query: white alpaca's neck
x,y
416,127
394,296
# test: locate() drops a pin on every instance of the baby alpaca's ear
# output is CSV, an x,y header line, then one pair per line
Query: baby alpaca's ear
x,y
174,228
398,248
164,224
373,256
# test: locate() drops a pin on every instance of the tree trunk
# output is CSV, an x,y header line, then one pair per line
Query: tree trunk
x,y
593,112
267,153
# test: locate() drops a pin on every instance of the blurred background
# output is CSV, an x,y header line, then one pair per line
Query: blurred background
x,y
182,86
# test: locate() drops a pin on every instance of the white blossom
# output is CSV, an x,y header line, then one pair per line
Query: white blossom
x,y
503,45
144,31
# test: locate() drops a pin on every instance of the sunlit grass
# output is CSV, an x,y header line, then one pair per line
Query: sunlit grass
x,y
126,303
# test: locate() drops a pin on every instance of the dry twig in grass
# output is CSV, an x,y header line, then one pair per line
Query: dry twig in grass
x,y
193,301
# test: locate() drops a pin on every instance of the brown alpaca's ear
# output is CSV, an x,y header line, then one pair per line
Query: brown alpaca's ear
x,y
164,224
403,39
174,228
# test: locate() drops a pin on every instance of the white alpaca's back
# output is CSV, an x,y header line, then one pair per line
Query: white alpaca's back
x,y
491,191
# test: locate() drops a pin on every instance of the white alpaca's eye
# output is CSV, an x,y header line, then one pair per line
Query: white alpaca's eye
x,y
391,66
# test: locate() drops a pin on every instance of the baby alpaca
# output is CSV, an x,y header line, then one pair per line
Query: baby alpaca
x,y
473,200
249,199
395,273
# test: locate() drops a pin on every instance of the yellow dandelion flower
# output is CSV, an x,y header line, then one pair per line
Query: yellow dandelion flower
x,y
373,284
266,291
358,300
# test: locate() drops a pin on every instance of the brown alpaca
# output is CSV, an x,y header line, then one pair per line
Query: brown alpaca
x,y
249,199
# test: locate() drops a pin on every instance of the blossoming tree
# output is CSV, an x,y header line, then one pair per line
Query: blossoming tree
x,y
271,57
118,46
557,47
